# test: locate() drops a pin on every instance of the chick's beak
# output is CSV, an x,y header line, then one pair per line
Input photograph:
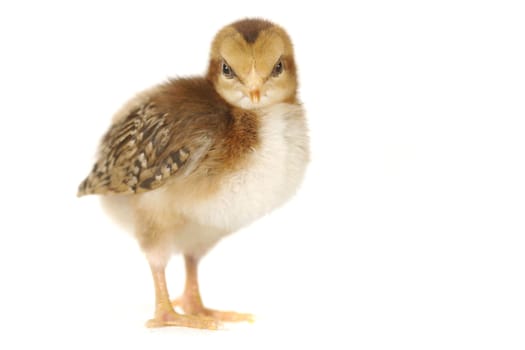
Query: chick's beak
x,y
255,95
254,83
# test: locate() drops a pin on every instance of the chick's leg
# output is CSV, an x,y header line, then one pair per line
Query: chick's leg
x,y
164,313
191,302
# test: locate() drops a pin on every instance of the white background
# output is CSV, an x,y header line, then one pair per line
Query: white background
x,y
408,232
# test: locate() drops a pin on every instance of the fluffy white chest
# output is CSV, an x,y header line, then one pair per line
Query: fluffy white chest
x,y
275,170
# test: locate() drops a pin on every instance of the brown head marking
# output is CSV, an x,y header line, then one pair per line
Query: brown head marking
x,y
250,28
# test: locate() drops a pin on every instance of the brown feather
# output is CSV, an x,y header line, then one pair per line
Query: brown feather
x,y
184,125
250,28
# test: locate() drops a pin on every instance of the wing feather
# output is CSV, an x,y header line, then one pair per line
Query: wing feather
x,y
136,154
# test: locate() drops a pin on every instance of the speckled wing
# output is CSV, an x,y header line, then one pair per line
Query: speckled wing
x,y
137,154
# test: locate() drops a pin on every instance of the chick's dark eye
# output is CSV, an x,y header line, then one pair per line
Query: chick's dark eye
x,y
278,68
227,71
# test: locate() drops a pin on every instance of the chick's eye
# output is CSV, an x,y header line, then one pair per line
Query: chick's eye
x,y
278,68
227,71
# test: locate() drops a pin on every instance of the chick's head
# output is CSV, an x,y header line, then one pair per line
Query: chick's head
x,y
252,64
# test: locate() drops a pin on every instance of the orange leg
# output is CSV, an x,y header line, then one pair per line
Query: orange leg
x,y
191,303
164,313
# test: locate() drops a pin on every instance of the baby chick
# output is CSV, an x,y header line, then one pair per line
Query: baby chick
x,y
192,160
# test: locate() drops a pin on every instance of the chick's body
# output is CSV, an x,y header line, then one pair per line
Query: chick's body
x,y
246,164
192,160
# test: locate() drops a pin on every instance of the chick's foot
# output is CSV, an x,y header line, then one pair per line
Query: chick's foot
x,y
171,318
193,307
